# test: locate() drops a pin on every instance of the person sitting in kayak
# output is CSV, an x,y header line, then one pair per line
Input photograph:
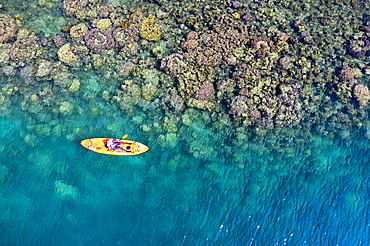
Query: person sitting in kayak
x,y
113,144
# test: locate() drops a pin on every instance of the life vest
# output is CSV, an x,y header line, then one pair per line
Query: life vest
x,y
111,144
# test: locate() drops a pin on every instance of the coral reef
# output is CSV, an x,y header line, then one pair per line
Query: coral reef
x,y
307,38
346,74
149,29
126,69
238,106
191,41
223,46
27,73
8,28
44,69
263,46
25,50
358,47
245,75
59,40
361,94
240,63
67,56
116,12
77,31
161,15
149,91
266,106
172,103
125,36
70,7
65,107
65,191
75,86
285,62
226,85
99,40
104,24
173,64
205,91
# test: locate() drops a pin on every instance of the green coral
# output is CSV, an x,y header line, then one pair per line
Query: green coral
x,y
149,29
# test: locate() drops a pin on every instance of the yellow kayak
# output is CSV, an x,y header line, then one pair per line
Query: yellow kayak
x,y
117,146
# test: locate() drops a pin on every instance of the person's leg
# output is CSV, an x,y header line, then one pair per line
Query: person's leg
x,y
119,147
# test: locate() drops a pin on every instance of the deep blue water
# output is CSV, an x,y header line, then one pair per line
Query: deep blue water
x,y
55,192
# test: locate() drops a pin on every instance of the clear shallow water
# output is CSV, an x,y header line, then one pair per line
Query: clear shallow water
x,y
54,192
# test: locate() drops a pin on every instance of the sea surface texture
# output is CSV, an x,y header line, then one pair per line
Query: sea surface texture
x,y
256,115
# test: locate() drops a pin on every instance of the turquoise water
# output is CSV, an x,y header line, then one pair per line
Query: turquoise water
x,y
55,192
207,179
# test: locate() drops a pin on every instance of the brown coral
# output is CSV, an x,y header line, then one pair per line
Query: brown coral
x,y
172,103
245,75
285,62
205,91
126,69
262,53
25,49
8,28
192,35
361,93
254,115
124,36
265,41
346,74
189,45
238,106
219,47
70,7
226,85
173,64
282,36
